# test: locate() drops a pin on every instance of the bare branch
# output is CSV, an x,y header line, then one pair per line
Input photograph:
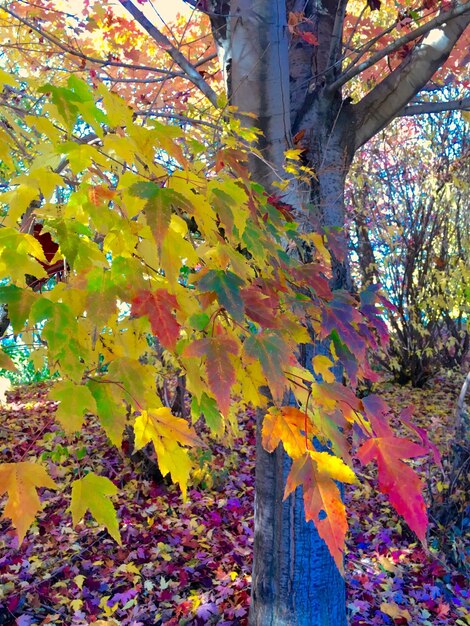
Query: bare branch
x,y
73,52
191,72
336,36
443,18
436,107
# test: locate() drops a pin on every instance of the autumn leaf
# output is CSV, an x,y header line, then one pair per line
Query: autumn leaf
x,y
20,481
317,473
394,611
227,287
219,366
110,409
91,493
167,433
162,423
5,362
158,306
262,308
74,401
308,37
286,425
396,479
273,353
321,365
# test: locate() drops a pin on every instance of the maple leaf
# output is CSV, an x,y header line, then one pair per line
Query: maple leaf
x,y
74,401
91,493
287,425
261,307
19,303
273,353
111,410
308,37
6,363
162,423
158,306
317,472
394,611
321,365
219,366
396,479
227,287
20,481
313,275
167,432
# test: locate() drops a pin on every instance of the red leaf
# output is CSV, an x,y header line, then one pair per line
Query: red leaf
x,y
308,37
396,479
312,274
158,306
261,307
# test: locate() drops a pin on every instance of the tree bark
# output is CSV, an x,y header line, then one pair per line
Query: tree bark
x,y
295,579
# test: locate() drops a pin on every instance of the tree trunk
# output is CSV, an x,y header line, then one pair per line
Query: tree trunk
x,y
295,579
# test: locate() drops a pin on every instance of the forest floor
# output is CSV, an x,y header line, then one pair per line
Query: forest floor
x,y
189,563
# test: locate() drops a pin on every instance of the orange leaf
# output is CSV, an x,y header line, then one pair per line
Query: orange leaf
x,y
20,481
285,425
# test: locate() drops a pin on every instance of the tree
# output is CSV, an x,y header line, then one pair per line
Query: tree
x,y
283,69
406,197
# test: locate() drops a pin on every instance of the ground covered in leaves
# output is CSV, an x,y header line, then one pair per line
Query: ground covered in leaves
x,y
189,563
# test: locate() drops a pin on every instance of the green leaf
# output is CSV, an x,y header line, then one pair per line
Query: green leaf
x,y
75,401
227,287
19,303
91,493
207,406
110,409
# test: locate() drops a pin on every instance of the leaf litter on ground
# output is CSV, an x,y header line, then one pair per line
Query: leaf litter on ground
x,y
190,563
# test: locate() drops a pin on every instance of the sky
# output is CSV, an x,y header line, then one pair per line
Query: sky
x,y
169,8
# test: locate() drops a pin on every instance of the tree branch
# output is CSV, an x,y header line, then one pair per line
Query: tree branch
x,y
436,107
191,72
69,50
393,94
353,70
336,36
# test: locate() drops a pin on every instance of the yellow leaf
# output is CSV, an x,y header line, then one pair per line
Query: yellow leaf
x,y
293,154
20,481
173,459
157,423
333,467
91,493
167,432
321,365
394,611
285,425
7,79
79,580
76,604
